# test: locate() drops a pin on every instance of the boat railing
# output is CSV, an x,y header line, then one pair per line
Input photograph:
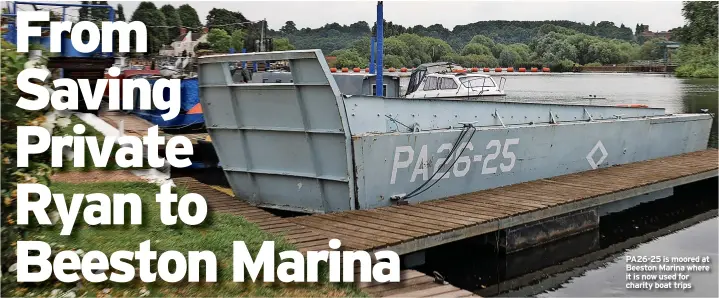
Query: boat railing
x,y
502,82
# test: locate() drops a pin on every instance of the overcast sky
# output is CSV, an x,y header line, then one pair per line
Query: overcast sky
x,y
659,15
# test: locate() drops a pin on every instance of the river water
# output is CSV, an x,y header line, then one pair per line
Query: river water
x,y
593,264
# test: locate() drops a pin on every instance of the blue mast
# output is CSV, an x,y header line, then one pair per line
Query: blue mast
x,y
371,54
380,49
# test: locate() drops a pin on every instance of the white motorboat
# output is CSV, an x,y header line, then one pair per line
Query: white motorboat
x,y
448,83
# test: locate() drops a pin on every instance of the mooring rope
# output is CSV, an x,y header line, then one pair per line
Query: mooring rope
x,y
462,134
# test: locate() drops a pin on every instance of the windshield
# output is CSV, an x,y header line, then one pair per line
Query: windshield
x,y
477,82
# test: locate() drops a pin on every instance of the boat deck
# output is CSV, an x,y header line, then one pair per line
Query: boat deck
x,y
409,228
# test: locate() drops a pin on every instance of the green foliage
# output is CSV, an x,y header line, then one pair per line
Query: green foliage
x,y
593,64
651,50
289,27
436,48
508,57
237,39
495,49
394,61
474,60
362,47
172,19
120,13
189,17
697,60
147,13
348,58
697,57
701,21
562,66
282,44
397,47
12,63
216,234
476,49
219,40
224,19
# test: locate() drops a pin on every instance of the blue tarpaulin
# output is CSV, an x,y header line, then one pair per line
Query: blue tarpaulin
x,y
189,97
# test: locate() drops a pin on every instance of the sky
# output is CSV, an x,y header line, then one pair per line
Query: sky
x,y
659,15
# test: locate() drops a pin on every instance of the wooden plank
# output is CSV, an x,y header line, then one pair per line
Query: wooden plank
x,y
397,222
456,293
438,215
372,233
404,283
538,198
357,239
413,218
478,210
403,276
401,292
501,202
450,210
431,292
368,223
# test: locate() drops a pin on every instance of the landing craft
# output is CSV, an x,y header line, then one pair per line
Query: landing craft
x,y
305,146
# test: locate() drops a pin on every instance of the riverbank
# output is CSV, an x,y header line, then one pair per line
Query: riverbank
x,y
216,236
627,68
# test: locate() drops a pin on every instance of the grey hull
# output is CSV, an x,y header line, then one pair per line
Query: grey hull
x,y
304,146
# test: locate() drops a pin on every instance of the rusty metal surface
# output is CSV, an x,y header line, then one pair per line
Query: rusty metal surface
x,y
415,227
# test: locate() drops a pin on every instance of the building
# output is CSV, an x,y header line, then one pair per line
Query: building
x,y
185,43
647,35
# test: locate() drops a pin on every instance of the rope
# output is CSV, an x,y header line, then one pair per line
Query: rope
x,y
397,121
461,136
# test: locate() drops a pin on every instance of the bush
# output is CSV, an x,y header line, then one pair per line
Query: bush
x,y
698,61
564,65
593,64
38,171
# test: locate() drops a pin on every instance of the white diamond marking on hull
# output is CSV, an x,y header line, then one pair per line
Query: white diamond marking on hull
x,y
590,156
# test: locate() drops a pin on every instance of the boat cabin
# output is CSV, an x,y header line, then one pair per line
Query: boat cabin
x,y
458,85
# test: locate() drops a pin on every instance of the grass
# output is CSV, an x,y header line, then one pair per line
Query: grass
x,y
216,234
68,166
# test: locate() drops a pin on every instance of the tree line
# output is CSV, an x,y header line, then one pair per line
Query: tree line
x,y
698,56
557,44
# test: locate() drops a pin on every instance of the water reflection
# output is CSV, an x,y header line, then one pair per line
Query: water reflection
x,y
590,264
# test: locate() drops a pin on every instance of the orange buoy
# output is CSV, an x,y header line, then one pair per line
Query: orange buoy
x,y
510,69
345,69
403,69
545,69
474,69
356,69
333,69
534,69
366,69
486,69
391,69
522,69
498,69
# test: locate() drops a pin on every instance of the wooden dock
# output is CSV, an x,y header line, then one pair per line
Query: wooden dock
x,y
413,283
409,228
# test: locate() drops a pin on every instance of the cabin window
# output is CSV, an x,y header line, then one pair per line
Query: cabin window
x,y
477,82
384,90
430,83
447,84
